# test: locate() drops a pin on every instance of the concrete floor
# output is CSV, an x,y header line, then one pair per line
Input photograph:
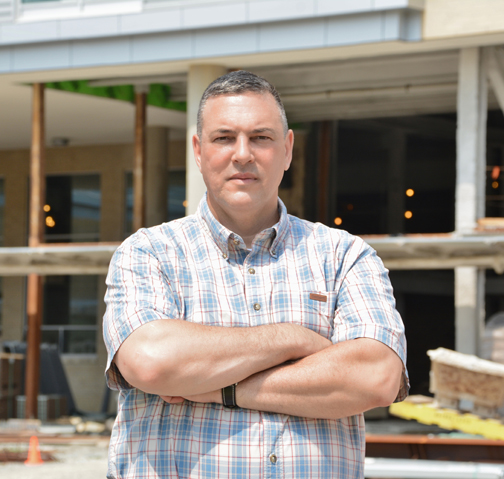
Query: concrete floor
x,y
73,461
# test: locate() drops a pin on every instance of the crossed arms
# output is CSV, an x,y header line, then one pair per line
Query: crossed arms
x,y
283,368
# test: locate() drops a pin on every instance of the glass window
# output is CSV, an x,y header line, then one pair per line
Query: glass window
x,y
175,198
70,313
72,208
176,194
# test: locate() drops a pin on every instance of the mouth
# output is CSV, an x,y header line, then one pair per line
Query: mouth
x,y
243,178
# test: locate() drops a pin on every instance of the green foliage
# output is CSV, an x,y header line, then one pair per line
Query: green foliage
x,y
159,95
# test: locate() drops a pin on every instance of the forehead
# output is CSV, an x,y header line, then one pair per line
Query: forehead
x,y
246,108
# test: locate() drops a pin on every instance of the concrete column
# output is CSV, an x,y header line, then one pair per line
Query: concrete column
x,y
469,309
156,176
470,193
395,182
199,77
471,140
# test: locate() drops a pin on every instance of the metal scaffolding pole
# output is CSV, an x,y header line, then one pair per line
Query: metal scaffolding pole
x,y
36,232
139,163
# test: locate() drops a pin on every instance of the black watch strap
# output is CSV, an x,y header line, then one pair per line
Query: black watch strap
x,y
229,396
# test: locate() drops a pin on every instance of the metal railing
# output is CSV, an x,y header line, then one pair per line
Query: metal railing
x,y
62,329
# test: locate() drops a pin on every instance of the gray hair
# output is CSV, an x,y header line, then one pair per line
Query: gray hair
x,y
238,83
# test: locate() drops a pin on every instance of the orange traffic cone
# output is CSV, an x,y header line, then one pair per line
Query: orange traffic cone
x,y
34,458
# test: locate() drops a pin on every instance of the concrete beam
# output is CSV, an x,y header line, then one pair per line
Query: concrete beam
x,y
416,252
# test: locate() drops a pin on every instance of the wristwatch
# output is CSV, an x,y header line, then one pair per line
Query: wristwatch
x,y
229,396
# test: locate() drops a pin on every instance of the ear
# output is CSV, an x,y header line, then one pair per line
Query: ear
x,y
197,150
289,145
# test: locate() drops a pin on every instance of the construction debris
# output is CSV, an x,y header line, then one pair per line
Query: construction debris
x,y
427,411
466,382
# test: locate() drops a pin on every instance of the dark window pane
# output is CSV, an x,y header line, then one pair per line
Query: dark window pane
x,y
83,300
72,208
128,204
70,312
56,300
175,198
176,194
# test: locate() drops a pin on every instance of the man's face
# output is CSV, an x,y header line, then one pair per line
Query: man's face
x,y
242,153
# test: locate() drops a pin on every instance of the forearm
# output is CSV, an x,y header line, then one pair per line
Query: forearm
x,y
340,381
179,358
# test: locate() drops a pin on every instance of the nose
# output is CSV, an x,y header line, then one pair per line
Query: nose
x,y
243,153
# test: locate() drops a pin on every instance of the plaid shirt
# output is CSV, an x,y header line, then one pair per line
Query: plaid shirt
x,y
195,269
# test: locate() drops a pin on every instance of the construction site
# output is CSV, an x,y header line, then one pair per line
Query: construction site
x,y
397,110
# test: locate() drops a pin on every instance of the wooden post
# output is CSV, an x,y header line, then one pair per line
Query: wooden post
x,y
36,232
139,163
324,172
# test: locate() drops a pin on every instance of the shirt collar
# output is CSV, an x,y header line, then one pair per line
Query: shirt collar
x,y
222,236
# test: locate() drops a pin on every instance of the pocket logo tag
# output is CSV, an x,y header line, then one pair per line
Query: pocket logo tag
x,y
318,297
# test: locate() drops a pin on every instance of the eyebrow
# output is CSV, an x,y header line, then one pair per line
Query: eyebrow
x,y
257,130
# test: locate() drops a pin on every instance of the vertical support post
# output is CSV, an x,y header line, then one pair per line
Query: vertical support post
x,y
156,176
199,77
139,163
36,231
327,173
469,309
324,166
395,184
470,193
332,179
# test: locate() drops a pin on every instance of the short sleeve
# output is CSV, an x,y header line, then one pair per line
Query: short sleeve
x,y
138,291
365,306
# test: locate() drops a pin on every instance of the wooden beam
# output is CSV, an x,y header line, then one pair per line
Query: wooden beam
x,y
36,234
139,163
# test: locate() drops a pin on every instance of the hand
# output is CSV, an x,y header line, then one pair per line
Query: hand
x,y
212,396
308,342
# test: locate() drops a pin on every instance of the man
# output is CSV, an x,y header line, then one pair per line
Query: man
x,y
291,324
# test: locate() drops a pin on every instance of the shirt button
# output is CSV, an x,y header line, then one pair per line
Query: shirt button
x,y
251,270
224,255
257,306
236,241
273,458
273,252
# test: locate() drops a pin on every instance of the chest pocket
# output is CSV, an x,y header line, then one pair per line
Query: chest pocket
x,y
311,309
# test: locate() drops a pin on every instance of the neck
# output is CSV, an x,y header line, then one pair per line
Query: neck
x,y
246,224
